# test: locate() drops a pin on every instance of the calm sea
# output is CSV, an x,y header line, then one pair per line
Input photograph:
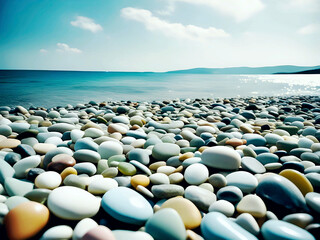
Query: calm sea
x,y
53,88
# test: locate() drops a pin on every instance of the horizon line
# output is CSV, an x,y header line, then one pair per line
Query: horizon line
x,y
124,71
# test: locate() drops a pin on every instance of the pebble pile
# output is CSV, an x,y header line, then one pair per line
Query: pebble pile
x,y
239,168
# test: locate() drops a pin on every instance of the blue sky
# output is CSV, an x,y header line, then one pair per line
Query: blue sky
x,y
157,35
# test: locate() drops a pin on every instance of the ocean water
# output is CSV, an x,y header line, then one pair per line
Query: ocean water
x,y
58,88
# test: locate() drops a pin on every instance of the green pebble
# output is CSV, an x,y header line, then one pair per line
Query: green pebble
x,y
188,149
249,152
110,172
127,169
38,195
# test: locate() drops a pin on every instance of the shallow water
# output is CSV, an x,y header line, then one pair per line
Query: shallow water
x,y
52,88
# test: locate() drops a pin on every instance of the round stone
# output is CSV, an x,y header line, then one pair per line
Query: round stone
x,y
26,220
86,155
67,171
175,178
33,173
222,206
127,169
196,174
76,134
166,170
277,229
9,143
93,132
298,179
72,203
281,191
15,187
48,180
248,222
230,193
299,219
252,204
43,148
159,178
61,127
102,185
109,148
217,180
252,165
12,157
38,195
82,227
126,205
85,168
110,172
163,151
215,225
5,130
48,157
167,190
65,159
188,212
272,138
243,180
98,233
140,180
25,164
75,181
255,139
58,232
86,143
313,201
140,155
201,197
221,157
25,150
166,224
266,158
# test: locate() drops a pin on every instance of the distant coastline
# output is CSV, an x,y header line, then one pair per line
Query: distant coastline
x,y
282,69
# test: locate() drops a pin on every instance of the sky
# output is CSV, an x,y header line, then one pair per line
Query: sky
x,y
157,35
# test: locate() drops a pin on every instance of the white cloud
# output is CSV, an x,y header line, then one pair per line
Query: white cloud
x,y
239,9
42,50
309,29
62,47
177,30
168,10
87,24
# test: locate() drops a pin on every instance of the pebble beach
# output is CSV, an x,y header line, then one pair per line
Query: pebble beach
x,y
224,168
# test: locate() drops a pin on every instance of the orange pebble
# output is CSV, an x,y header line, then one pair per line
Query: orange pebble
x,y
234,142
26,220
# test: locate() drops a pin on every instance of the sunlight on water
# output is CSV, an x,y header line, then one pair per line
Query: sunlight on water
x,y
299,84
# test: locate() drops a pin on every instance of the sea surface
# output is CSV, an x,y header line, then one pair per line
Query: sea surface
x,y
58,88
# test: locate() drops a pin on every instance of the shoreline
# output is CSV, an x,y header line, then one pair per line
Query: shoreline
x,y
170,169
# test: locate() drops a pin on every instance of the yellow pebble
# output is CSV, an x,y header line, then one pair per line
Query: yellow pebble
x,y
186,156
156,165
201,149
45,123
140,179
178,169
298,179
67,171
188,212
